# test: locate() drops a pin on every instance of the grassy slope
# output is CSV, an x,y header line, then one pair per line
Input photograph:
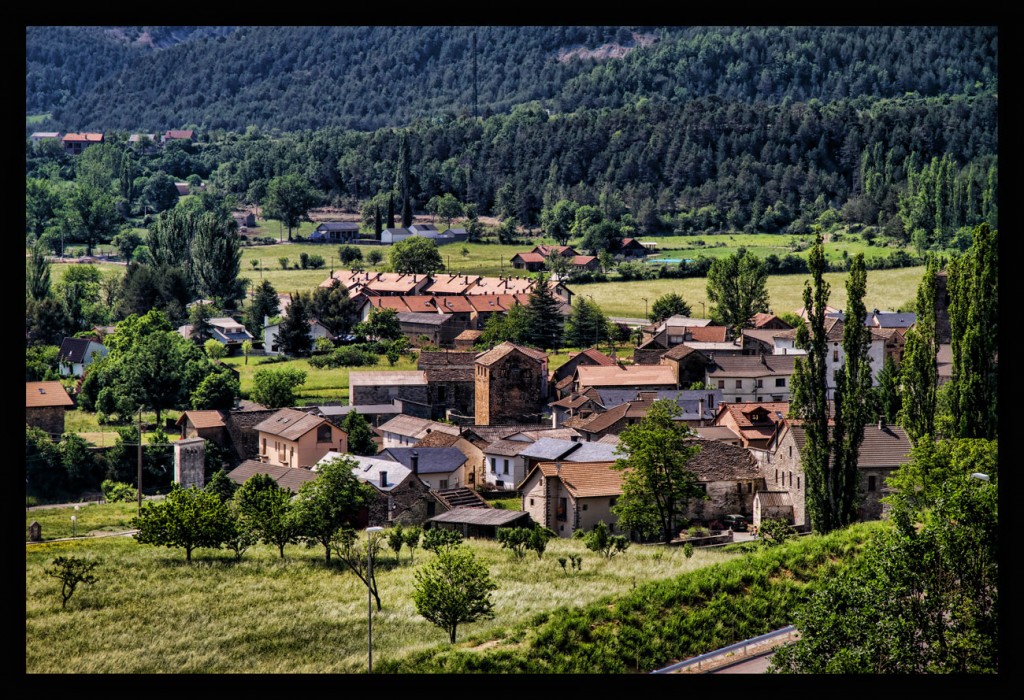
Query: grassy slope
x,y
151,613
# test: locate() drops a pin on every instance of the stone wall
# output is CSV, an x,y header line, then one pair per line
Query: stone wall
x,y
48,418
363,395
784,472
244,440
647,357
407,503
510,390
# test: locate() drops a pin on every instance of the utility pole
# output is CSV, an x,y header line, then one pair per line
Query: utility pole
x,y
140,461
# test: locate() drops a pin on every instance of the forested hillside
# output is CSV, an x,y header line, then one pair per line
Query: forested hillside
x,y
292,78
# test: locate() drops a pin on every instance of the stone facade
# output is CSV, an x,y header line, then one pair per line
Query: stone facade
x,y
48,418
784,472
724,498
509,390
650,356
189,462
365,394
410,503
245,440
872,481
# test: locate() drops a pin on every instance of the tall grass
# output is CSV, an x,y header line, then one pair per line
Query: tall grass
x,y
150,612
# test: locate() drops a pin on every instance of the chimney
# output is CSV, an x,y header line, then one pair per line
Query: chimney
x,y
700,405
558,467
881,422
383,478
415,463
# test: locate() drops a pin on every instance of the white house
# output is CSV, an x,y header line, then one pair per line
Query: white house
x,y
394,235
316,330
76,354
835,357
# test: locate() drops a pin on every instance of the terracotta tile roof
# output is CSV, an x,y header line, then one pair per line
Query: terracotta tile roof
x,y
529,257
582,260
452,284
413,377
741,412
437,439
469,335
203,419
499,351
629,375
598,357
42,394
411,426
289,424
85,137
759,319
707,334
583,479
604,421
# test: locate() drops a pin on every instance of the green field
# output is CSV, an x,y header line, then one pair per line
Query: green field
x,y
149,612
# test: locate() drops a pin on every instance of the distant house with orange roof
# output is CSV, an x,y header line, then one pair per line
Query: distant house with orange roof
x,y
769,322
75,143
755,423
178,135
45,404
208,425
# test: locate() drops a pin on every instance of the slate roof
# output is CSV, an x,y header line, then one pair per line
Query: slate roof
x,y
369,469
432,460
593,452
203,419
74,349
289,424
426,319
42,394
447,366
549,448
498,432
680,351
603,421
291,478
716,432
507,448
376,409
582,479
887,446
437,439
338,226
720,461
752,365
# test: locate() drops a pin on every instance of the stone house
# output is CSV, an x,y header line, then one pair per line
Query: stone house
x,y
451,384
634,377
465,340
45,404
291,438
511,383
770,342
836,357
208,425
768,321
884,449
590,356
568,496
380,387
76,143
401,495
688,364
729,476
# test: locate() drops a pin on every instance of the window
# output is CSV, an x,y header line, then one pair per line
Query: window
x,y
791,478
790,450
560,510
739,383
584,506
494,467
780,381
703,487
531,501
739,486
442,394
776,476
443,484
737,399
505,471
750,485
760,383
835,356
431,508
871,483
721,383
798,482
323,433
264,450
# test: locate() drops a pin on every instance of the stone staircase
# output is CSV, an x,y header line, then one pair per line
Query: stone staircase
x,y
464,497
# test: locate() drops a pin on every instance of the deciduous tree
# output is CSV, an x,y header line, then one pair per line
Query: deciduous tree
x,y
329,502
737,289
289,199
265,509
72,571
275,388
668,305
415,255
454,589
188,518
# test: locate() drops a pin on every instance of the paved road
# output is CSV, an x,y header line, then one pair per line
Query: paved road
x,y
755,665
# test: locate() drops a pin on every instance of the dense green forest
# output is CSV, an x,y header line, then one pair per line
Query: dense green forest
x,y
292,78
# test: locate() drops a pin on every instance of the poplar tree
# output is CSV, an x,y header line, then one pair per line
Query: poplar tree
x,y
919,369
402,180
974,321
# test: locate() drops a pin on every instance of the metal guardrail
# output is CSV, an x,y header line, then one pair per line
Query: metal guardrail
x,y
718,654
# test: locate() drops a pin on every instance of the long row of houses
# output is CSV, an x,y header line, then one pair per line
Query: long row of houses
x,y
76,142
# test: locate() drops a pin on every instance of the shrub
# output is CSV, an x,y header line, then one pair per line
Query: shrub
x,y
436,539
71,571
117,491
283,262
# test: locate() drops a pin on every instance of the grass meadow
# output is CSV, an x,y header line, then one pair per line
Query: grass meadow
x,y
150,612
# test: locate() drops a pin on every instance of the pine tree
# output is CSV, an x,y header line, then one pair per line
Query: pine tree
x,y
402,180
974,321
293,333
545,328
587,326
264,305
919,369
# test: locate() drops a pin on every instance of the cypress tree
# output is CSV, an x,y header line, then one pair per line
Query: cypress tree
x,y
38,274
264,305
391,210
377,228
360,436
402,180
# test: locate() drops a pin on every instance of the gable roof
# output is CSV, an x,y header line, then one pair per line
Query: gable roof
x,y
603,421
75,349
411,426
203,419
681,351
368,469
475,515
507,448
43,394
628,375
446,366
752,365
413,377
582,479
720,461
885,446
290,424
291,478
500,351
432,460
436,438
759,319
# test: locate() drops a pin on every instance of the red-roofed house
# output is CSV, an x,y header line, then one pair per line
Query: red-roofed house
x,y
565,497
291,438
631,248
76,143
45,403
178,135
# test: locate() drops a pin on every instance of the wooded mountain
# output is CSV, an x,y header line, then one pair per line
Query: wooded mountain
x,y
292,78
